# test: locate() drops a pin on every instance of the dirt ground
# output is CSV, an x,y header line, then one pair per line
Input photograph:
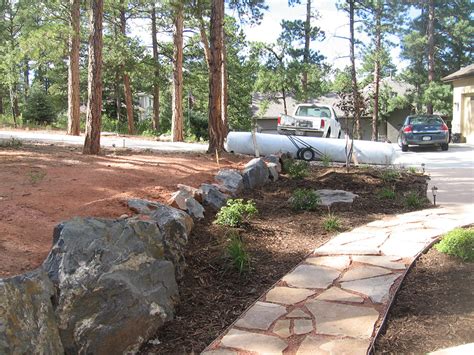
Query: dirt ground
x,y
434,308
213,294
42,185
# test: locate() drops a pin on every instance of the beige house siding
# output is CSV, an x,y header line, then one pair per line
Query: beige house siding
x,y
463,108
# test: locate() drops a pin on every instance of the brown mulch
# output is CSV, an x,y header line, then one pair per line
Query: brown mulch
x,y
213,294
434,308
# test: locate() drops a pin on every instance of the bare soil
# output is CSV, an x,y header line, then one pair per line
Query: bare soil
x,y
42,185
434,308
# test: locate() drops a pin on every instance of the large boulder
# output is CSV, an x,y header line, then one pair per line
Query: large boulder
x,y
272,171
230,181
175,226
336,197
114,287
185,201
195,193
211,196
27,321
255,173
275,159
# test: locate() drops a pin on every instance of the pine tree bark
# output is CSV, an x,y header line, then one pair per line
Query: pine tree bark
x,y
177,124
217,130
156,78
26,79
307,42
126,78
378,48
224,93
1,103
73,95
355,89
94,87
431,49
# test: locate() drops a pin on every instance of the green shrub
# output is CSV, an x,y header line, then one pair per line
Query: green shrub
x,y
234,212
390,175
412,170
413,200
304,200
326,160
386,193
459,242
331,223
38,107
297,169
237,254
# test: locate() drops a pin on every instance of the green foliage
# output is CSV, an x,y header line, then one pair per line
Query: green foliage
x,y
331,223
237,254
386,193
326,160
413,200
38,107
459,242
297,169
389,175
234,212
412,170
304,200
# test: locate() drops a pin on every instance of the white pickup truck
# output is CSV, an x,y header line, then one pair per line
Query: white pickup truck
x,y
311,120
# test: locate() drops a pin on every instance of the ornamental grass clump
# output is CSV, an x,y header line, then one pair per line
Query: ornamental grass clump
x,y
304,200
331,223
459,242
236,253
235,212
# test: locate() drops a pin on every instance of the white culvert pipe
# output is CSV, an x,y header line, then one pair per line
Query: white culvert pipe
x,y
365,152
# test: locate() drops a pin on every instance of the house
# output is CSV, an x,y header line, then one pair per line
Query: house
x,y
145,106
463,103
266,110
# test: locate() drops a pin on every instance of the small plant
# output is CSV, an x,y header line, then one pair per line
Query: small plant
x,y
304,200
386,194
234,212
11,143
326,160
413,200
459,242
298,169
390,175
237,254
412,170
331,223
36,176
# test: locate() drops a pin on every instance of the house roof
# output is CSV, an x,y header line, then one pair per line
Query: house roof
x,y
465,72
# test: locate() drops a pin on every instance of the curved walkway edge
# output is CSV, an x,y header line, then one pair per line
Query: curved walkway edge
x,y
335,300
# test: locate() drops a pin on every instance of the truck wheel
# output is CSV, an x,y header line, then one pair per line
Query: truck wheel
x,y
307,154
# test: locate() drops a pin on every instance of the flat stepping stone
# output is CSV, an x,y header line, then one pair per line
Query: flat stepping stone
x,y
287,295
259,343
261,316
343,319
329,197
311,276
421,235
376,288
302,326
220,352
338,295
335,262
401,249
389,262
363,272
312,345
347,250
282,328
297,313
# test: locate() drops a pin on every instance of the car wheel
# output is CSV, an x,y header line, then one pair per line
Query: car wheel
x,y
404,147
399,140
444,146
307,154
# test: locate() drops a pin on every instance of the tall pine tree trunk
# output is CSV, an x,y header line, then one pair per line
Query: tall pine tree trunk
x,y
74,100
307,42
1,103
355,89
26,79
126,78
94,86
217,130
177,124
156,77
431,49
224,93
378,49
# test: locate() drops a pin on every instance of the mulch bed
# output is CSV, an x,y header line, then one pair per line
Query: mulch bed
x,y
213,294
434,308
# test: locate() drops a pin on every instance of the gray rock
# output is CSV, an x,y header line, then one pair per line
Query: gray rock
x,y
211,196
230,181
27,321
178,199
330,197
275,159
272,171
194,208
114,287
195,193
255,173
175,226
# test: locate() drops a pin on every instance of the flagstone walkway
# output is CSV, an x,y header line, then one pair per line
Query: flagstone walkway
x,y
332,302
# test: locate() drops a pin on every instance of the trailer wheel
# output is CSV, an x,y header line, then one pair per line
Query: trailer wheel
x,y
298,153
307,154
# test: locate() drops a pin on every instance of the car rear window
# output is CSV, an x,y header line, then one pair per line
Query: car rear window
x,y
313,111
429,120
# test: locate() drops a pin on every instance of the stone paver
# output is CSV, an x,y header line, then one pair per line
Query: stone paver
x,y
342,319
390,262
310,276
338,295
336,262
364,272
219,352
287,295
260,343
302,326
297,313
376,288
313,345
261,316
402,249
282,328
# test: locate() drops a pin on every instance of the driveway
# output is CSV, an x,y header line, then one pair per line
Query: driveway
x,y
452,172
